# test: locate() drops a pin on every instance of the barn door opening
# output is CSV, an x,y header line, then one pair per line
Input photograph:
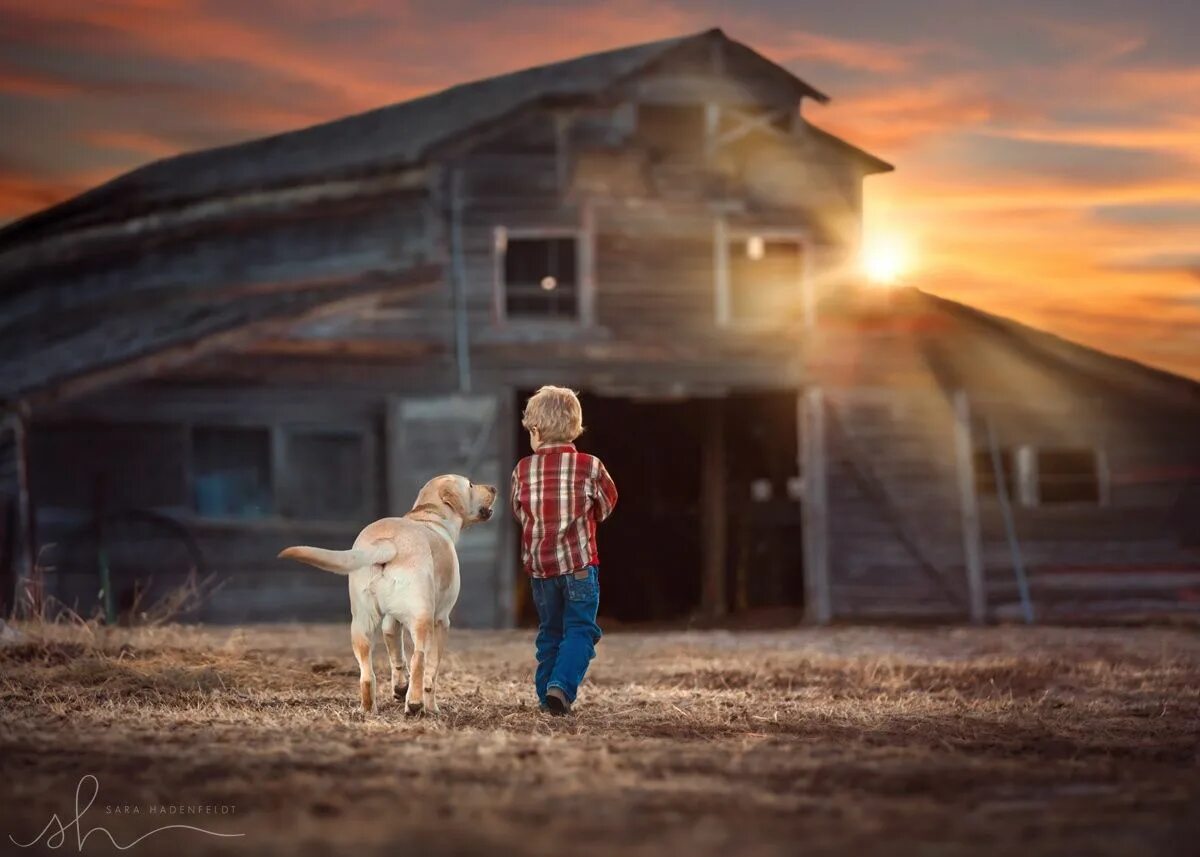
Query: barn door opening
x,y
653,550
433,435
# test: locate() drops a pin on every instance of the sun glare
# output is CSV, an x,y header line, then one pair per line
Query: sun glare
x,y
885,259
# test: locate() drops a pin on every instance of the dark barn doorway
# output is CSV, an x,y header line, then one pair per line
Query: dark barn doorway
x,y
652,551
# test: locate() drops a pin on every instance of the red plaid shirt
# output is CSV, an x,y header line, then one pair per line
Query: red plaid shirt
x,y
558,497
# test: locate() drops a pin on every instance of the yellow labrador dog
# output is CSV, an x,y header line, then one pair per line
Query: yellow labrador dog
x,y
404,578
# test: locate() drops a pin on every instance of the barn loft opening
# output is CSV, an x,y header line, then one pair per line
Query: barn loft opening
x,y
687,469
540,277
764,276
675,131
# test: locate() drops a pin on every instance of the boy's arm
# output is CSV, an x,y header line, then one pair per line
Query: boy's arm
x,y
606,492
514,494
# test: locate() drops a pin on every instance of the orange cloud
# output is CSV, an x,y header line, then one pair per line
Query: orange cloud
x,y
908,113
18,82
131,141
873,56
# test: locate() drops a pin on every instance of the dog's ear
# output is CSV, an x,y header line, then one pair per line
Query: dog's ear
x,y
449,495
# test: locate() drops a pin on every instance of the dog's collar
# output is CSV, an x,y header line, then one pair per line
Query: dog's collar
x,y
438,520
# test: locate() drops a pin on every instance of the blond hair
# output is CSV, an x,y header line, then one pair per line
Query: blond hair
x,y
556,413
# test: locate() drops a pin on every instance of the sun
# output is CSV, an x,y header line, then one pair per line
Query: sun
x,y
885,259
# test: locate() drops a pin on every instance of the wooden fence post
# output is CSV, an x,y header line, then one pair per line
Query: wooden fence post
x,y
964,449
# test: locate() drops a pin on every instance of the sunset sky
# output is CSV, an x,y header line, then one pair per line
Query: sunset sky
x,y
1048,153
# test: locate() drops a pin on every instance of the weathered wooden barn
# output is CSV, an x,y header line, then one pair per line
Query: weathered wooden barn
x,y
230,351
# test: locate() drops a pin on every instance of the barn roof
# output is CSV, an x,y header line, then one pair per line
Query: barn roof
x,y
1104,371
909,337
871,163
386,138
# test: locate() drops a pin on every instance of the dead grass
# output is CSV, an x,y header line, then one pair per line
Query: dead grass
x,y
853,740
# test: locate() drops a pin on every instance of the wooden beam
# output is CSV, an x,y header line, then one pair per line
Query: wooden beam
x,y
219,208
721,297
1004,500
818,596
562,162
26,597
748,123
462,345
390,350
714,515
507,613
964,452
712,127
587,263
357,294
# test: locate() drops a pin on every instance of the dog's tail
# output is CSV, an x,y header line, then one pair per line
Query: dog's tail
x,y
342,562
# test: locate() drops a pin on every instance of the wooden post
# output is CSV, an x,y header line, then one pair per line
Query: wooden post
x,y
507,567
721,270
103,567
964,450
712,127
1010,526
714,516
587,263
818,599
27,596
562,165
462,346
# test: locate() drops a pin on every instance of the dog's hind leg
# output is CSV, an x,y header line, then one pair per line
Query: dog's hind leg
x,y
437,645
362,640
422,633
394,635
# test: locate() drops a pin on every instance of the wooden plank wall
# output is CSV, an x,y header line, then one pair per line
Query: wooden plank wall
x,y
893,506
893,528
1129,553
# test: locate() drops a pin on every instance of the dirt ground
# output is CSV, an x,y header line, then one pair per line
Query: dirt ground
x,y
850,741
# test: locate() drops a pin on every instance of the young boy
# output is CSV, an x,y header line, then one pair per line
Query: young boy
x,y
558,497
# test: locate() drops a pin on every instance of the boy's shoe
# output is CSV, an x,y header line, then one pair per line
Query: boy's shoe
x,y
557,702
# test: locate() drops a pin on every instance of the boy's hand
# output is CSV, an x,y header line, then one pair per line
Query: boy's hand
x,y
606,495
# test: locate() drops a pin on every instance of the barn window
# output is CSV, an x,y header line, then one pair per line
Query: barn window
x,y
539,276
763,279
327,476
1068,476
986,484
674,130
120,465
231,472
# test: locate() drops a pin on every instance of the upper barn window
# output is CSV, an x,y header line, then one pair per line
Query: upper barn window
x,y
763,279
672,129
538,275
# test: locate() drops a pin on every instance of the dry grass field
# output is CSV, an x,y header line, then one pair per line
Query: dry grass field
x,y
854,741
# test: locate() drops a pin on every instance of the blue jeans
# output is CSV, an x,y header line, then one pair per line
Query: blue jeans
x,y
567,630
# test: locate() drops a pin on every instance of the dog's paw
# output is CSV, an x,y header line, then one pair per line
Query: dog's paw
x,y
414,709
400,693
